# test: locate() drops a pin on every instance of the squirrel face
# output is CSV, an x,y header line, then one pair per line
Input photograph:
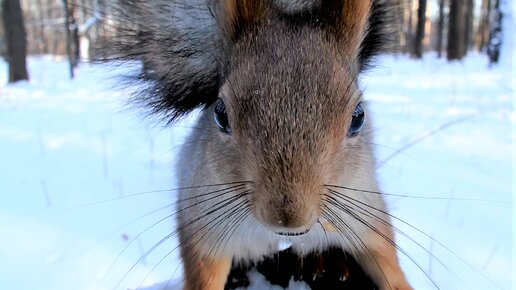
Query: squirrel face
x,y
289,97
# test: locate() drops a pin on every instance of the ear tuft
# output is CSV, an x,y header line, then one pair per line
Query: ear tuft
x,y
349,19
236,16
354,15
382,28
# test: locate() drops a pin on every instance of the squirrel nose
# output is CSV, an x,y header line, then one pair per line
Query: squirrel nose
x,y
285,216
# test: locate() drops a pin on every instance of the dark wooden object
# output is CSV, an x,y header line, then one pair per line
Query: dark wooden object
x,y
333,269
14,27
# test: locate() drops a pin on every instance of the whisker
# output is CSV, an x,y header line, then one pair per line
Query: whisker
x,y
235,209
355,240
351,213
356,237
324,230
166,286
222,192
157,191
129,243
238,220
219,205
330,217
369,214
351,200
220,219
381,145
179,146
417,196
211,130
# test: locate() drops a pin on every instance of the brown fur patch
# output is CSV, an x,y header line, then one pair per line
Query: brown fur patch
x,y
383,255
354,18
354,15
349,20
239,14
206,273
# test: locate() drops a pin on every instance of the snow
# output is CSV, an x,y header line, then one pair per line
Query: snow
x,y
468,159
67,146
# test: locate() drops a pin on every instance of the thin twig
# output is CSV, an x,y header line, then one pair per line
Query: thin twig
x,y
424,137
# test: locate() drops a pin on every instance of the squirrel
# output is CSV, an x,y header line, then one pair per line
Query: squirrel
x,y
281,149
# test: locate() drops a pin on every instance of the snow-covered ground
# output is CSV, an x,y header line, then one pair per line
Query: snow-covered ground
x,y
67,145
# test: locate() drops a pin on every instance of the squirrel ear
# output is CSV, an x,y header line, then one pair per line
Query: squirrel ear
x,y
346,18
349,19
237,15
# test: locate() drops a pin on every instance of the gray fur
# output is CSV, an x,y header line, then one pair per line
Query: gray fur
x,y
296,6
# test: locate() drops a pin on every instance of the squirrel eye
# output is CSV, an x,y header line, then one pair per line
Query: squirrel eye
x,y
357,122
221,117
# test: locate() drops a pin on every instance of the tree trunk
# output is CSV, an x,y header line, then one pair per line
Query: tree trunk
x,y
69,50
468,25
41,20
483,26
51,35
420,29
495,35
456,30
15,38
440,29
409,37
75,35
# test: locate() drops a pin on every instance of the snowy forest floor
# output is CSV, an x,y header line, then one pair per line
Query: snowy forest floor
x,y
67,144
